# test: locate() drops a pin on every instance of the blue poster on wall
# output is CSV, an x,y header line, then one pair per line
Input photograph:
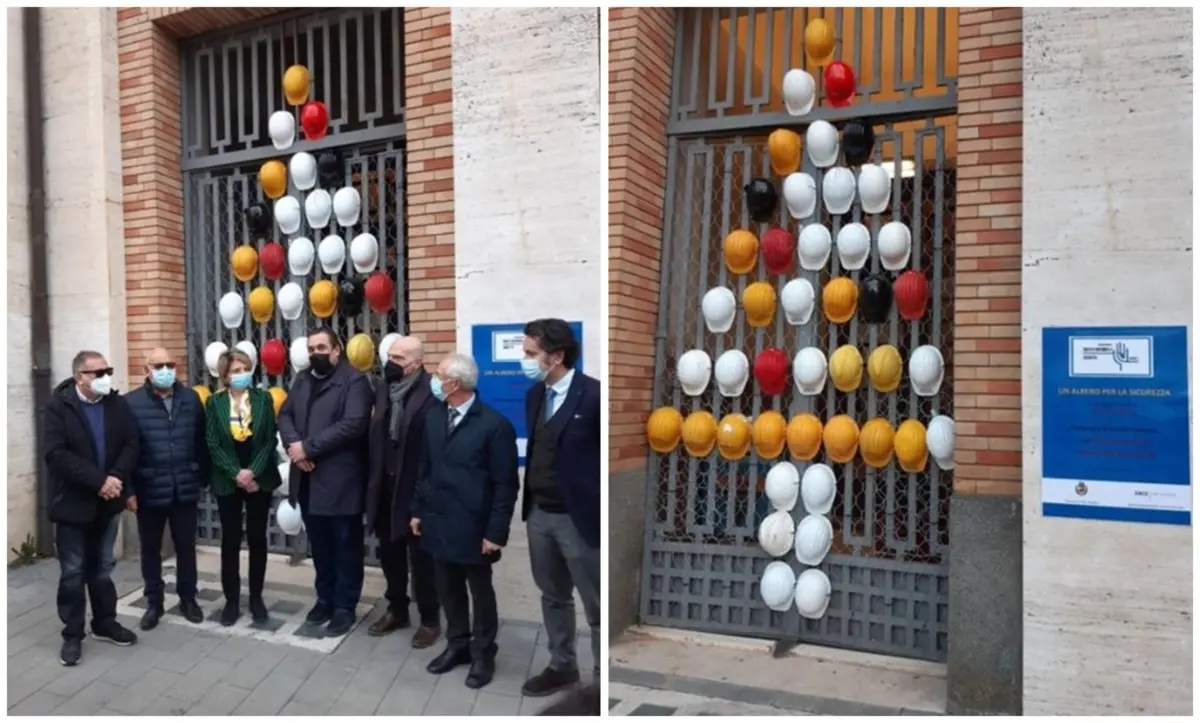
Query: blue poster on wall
x,y
498,349
1115,438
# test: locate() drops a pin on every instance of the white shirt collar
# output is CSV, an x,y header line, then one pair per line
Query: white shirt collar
x,y
562,386
462,408
84,399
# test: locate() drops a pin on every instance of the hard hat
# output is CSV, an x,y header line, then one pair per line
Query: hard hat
x,y
384,344
814,537
783,486
332,253
858,142
694,370
232,310
287,516
281,127
815,244
346,206
845,368
322,299
291,301
741,251
278,397
262,304
783,146
258,218
247,348
797,300
777,586
809,370
874,188
940,440
758,299
317,207
800,195
273,357
911,452
244,262
799,91
912,294
303,170
300,256
821,139
885,367
769,433
364,253
778,250
380,292
925,370
732,371
273,178
853,246
838,190
295,85
895,245
818,488
360,352
839,299
663,429
203,392
776,533
285,472
719,307
841,438
298,354
287,214
840,84
314,120
733,437
804,436
875,298
212,356
761,199
875,442
273,260
699,434
818,40
813,591
351,296
331,168
771,370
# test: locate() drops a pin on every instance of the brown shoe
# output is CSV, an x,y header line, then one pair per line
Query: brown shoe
x,y
426,636
387,624
548,682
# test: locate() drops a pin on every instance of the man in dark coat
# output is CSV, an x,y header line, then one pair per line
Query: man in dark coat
x,y
323,425
402,401
466,492
172,467
91,452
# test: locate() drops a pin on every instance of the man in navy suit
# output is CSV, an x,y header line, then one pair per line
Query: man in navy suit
x,y
561,503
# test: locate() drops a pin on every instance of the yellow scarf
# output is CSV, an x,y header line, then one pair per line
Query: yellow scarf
x,y
240,418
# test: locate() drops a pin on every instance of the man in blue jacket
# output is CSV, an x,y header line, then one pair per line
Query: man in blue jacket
x,y
172,467
561,504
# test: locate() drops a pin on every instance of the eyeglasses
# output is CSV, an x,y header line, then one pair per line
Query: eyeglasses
x,y
98,372
164,365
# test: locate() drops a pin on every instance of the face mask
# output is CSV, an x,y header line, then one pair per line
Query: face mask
x,y
162,378
241,381
393,372
435,386
102,386
533,369
320,363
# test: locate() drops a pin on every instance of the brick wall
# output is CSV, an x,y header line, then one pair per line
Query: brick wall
x,y
987,320
641,50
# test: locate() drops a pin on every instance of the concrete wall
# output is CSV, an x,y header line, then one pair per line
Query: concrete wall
x,y
1107,241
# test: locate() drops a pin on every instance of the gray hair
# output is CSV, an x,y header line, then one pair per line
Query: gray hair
x,y
463,368
81,358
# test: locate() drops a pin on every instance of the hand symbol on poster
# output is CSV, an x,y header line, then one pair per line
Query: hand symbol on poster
x,y
1121,354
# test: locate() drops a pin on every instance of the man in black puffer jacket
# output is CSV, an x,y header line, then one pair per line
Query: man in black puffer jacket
x,y
172,467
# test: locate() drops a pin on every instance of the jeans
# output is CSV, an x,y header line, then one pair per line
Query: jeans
x,y
338,544
86,558
152,522
258,508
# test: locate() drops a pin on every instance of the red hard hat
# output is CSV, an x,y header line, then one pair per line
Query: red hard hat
x,y
273,260
840,85
771,370
314,119
380,292
273,356
778,250
911,292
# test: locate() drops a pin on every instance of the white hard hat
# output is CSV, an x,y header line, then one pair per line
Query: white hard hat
x,y
821,140
818,487
694,370
799,91
212,356
809,370
364,253
285,472
332,253
247,348
346,205
939,439
232,309
732,371
874,188
298,353
290,301
812,593
777,586
287,214
800,195
384,344
281,127
287,516
838,190
813,247
776,533
317,208
303,170
719,308
783,486
300,256
814,537
853,246
926,369
895,245
797,300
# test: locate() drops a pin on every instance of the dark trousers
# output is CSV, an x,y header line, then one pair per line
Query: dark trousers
x,y
257,506
338,544
86,558
397,557
152,522
479,635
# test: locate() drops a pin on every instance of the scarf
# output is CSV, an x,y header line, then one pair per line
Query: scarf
x,y
397,393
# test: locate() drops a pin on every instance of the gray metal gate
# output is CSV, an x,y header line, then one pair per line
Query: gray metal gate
x,y
230,84
888,565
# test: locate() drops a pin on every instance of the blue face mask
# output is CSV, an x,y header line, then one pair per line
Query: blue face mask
x,y
241,381
162,378
532,368
435,386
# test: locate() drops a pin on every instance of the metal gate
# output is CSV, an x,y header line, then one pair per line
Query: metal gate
x,y
230,85
888,565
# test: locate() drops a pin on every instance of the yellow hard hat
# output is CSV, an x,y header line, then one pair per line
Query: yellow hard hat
x,y
804,436
839,299
841,438
818,40
262,304
885,367
770,433
295,85
845,368
741,251
663,429
699,434
911,452
759,301
244,262
273,178
203,392
322,299
733,437
783,146
360,352
278,397
875,442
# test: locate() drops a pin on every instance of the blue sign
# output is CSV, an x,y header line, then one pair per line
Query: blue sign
x,y
498,349
1115,438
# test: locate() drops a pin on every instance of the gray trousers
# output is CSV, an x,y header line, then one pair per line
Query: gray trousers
x,y
562,563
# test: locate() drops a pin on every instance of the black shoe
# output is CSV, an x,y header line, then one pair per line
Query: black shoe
x,y
320,614
115,633
340,623
230,614
549,682
258,610
191,611
151,617
72,651
450,659
482,672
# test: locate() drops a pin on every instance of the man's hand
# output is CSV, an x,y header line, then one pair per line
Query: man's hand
x,y
131,505
295,452
415,525
244,477
252,487
111,489
489,547
306,465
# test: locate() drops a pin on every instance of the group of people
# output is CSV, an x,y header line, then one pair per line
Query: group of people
x,y
413,456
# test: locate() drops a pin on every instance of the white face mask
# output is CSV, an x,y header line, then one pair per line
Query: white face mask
x,y
102,386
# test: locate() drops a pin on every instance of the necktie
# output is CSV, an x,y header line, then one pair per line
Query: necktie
x,y
550,393
451,417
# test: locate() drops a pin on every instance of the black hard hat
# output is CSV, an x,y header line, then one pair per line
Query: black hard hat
x,y
858,141
258,218
351,296
331,169
761,199
875,298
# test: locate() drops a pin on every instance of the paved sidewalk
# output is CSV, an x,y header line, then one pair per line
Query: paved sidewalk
x,y
629,700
